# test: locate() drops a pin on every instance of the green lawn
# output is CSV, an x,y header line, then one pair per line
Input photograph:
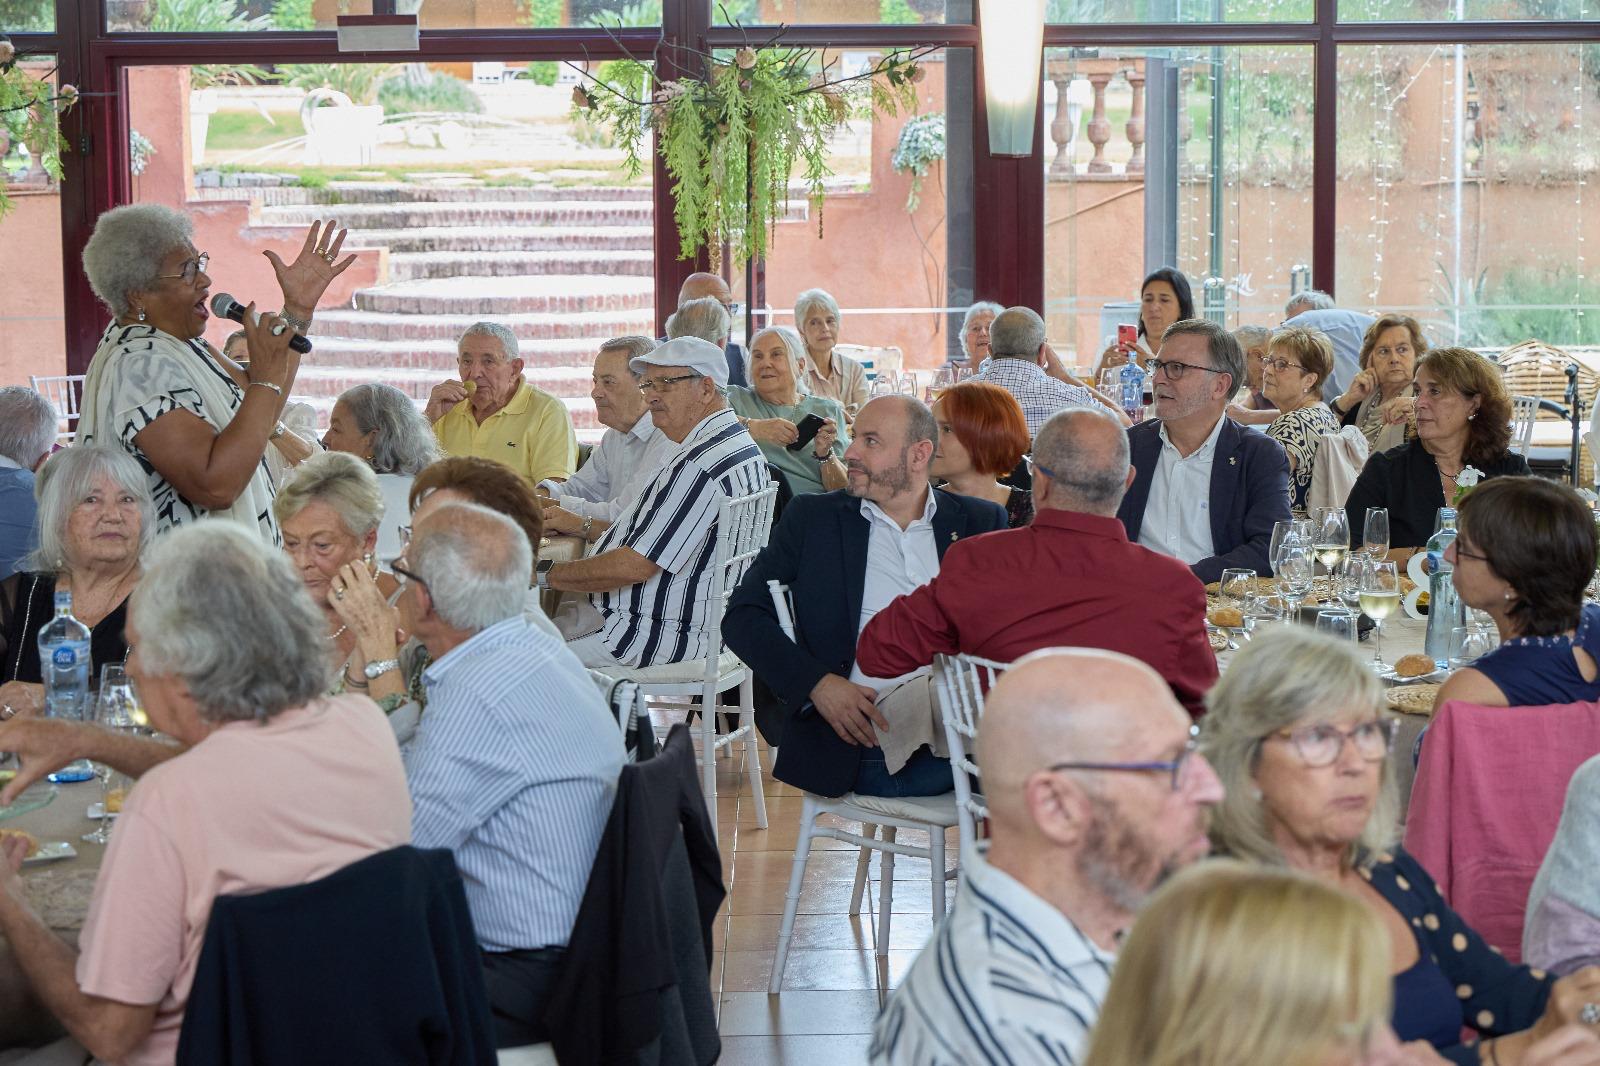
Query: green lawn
x,y
241,131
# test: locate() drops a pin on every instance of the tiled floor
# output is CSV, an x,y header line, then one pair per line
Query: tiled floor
x,y
833,986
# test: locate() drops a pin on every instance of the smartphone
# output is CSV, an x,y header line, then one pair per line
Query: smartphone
x,y
808,427
1127,335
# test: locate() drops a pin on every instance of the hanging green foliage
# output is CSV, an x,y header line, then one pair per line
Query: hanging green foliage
x,y
30,120
921,145
732,140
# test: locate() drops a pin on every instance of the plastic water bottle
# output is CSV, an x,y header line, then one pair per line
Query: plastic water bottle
x,y
1132,379
64,665
1445,610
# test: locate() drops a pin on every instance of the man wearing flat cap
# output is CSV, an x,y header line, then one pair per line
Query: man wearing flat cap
x,y
646,605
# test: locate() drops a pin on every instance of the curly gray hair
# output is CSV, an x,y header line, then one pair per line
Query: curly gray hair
x,y
27,425
403,442
125,250
66,480
341,481
224,612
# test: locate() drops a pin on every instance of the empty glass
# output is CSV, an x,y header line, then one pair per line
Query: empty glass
x,y
1375,532
1297,569
1468,642
1337,622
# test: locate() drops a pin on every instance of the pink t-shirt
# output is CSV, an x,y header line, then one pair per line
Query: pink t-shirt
x,y
250,808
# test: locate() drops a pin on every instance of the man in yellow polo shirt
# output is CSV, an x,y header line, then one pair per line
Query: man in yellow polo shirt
x,y
492,413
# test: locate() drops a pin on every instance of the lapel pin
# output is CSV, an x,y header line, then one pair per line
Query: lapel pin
x,y
1233,460
952,537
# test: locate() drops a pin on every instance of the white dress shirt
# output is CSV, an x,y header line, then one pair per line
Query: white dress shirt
x,y
617,471
1177,516
898,561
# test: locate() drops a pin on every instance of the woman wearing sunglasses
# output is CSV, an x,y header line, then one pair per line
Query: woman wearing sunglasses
x,y
1295,733
198,423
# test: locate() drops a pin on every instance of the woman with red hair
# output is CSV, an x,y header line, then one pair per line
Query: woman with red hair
x,y
982,438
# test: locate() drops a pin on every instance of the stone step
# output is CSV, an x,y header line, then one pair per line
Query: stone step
x,y
486,297
439,356
396,327
383,192
405,215
506,239
408,266
569,383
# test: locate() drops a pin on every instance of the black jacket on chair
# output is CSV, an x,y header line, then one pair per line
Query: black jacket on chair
x,y
377,962
819,550
636,986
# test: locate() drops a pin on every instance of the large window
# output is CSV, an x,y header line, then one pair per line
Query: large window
x,y
1198,158
222,16
1467,193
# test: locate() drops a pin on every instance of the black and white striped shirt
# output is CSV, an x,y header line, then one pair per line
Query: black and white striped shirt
x,y
1007,979
673,523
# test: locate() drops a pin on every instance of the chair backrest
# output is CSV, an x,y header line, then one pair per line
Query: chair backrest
x,y
1487,799
1524,410
62,392
1334,469
744,524
622,697
962,682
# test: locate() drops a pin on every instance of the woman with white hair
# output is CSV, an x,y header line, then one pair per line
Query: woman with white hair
x,y
975,347
198,423
379,424
1295,731
828,372
275,785
95,520
776,403
27,430
330,511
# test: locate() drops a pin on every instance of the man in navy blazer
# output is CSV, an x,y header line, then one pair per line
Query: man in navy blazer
x,y
1205,490
844,555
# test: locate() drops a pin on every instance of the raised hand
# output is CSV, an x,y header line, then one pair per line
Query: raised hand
x,y
305,280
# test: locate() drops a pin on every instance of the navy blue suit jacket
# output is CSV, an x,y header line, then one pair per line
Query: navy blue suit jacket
x,y
1249,494
819,550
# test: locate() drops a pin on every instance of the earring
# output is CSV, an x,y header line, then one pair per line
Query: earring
x,y
141,314
1472,416
1508,595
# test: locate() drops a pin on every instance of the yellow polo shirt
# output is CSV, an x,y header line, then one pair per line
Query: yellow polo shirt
x,y
532,434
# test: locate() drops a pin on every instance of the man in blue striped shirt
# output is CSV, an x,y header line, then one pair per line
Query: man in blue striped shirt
x,y
647,579
515,762
1095,796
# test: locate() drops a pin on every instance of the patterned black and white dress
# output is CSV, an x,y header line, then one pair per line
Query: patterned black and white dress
x,y
1300,432
139,374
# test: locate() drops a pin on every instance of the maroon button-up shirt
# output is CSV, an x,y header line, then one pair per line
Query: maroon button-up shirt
x,y
1068,580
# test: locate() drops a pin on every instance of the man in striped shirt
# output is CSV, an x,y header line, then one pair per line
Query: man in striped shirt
x,y
1095,796
647,579
515,762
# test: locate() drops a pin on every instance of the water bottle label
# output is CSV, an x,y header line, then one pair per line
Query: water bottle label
x,y
64,657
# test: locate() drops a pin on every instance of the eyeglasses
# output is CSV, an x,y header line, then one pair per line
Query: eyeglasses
x,y
1175,370
1175,767
1463,553
1321,745
192,268
405,534
408,574
663,384
1039,467
1280,365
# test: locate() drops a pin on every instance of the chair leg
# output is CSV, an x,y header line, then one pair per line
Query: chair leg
x,y
869,831
752,748
791,903
936,870
885,892
708,759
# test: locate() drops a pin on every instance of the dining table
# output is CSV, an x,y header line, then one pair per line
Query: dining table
x,y
59,890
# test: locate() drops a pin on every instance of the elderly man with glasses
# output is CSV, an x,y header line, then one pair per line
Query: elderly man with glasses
x,y
1205,490
647,597
1096,795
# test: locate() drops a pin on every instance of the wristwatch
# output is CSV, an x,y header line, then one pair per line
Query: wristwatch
x,y
588,526
541,576
379,668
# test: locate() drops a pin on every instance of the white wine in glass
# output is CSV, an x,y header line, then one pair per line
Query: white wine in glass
x,y
1380,597
1379,605
1331,556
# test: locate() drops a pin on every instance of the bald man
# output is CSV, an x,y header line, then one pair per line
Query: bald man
x,y
1095,797
1070,578
698,286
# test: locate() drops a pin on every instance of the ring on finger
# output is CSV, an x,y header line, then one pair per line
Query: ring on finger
x,y
7,712
1590,1014
338,594
329,257
278,329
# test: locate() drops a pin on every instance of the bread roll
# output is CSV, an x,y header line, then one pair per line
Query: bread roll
x,y
1414,665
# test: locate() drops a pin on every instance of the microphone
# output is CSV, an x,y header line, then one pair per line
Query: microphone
x,y
225,306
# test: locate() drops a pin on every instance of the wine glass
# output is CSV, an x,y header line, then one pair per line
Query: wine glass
x,y
1297,569
117,708
1337,622
1375,532
1468,642
1284,531
1332,537
1237,589
1380,597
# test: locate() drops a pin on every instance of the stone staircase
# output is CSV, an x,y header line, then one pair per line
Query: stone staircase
x,y
562,268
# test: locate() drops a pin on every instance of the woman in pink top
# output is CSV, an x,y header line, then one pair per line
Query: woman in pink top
x,y
274,785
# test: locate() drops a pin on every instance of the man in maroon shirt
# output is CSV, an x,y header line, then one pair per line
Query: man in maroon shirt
x,y
1071,579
